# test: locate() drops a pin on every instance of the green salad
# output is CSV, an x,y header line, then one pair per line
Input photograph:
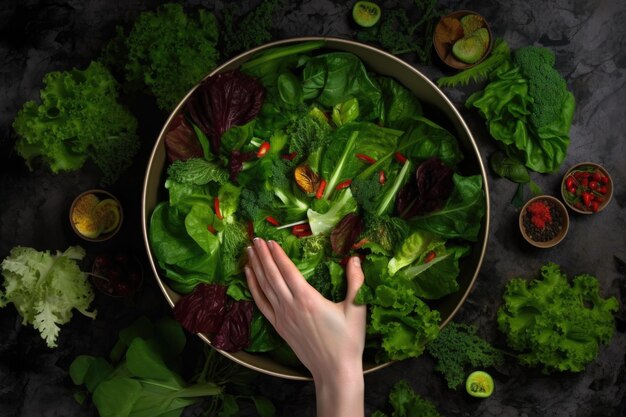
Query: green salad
x,y
309,148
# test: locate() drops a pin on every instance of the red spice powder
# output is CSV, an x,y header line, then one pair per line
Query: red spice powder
x,y
540,214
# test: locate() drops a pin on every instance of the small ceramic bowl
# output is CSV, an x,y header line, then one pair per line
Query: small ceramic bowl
x,y
117,274
587,188
96,215
543,221
448,31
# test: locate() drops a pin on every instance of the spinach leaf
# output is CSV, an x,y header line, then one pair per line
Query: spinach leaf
x,y
289,90
425,139
460,216
508,167
399,104
436,278
345,77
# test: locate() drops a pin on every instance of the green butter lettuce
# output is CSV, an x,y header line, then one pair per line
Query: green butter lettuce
x,y
507,106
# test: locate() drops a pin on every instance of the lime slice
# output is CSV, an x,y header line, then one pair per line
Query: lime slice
x,y
366,13
479,384
82,217
107,213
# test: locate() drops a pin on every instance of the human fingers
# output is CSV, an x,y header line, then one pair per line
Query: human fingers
x,y
266,288
272,272
355,278
293,277
259,297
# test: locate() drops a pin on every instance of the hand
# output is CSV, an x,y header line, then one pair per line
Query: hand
x,y
327,337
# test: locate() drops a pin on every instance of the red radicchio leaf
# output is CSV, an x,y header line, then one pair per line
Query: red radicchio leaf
x,y
203,310
429,190
225,100
181,142
234,333
345,233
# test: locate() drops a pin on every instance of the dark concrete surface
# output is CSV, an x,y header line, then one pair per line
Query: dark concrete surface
x,y
588,38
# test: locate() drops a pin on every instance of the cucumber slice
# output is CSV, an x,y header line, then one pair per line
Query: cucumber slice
x,y
469,50
366,13
479,384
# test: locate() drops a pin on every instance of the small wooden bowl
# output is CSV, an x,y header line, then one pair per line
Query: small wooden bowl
x,y
571,199
557,208
444,48
102,195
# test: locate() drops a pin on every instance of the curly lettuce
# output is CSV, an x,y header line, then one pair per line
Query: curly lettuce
x,y
556,324
45,288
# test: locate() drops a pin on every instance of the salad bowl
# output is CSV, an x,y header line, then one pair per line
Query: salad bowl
x,y
437,107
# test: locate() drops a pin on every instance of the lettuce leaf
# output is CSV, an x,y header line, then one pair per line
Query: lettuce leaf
x,y
46,287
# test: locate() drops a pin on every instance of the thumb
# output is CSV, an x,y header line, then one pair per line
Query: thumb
x,y
355,278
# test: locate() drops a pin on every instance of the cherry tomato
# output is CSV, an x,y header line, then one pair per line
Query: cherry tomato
x,y
593,185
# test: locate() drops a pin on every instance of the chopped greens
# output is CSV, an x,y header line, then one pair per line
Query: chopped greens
x,y
319,161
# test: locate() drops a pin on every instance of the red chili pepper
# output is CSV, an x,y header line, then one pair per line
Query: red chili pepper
x,y
430,256
289,156
301,230
211,229
365,158
399,157
265,146
216,207
272,221
343,184
250,229
360,243
320,189
382,178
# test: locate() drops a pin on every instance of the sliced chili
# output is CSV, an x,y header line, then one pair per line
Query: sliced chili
x,y
430,256
399,157
216,207
365,158
263,149
272,221
320,189
343,184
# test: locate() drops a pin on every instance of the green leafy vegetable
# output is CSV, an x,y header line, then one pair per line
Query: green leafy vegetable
x,y
556,324
45,287
79,118
197,171
458,349
460,215
253,29
321,169
167,52
400,33
147,382
481,71
511,104
406,403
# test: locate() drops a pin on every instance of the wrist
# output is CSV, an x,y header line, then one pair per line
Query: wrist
x,y
341,392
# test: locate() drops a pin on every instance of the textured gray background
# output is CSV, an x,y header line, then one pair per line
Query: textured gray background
x,y
588,38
